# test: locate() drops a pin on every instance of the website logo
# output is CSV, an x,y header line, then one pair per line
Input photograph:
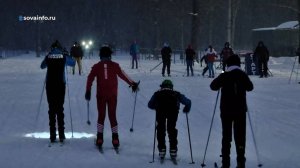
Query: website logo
x,y
22,18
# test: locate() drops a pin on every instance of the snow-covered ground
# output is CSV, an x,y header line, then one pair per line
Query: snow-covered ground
x,y
273,105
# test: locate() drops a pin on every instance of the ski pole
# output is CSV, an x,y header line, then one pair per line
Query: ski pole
x,y
292,70
187,121
254,141
155,66
155,125
88,112
131,129
40,103
211,124
39,107
271,74
69,105
297,73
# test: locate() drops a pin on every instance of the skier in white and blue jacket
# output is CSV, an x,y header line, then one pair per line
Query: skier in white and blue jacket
x,y
166,102
55,62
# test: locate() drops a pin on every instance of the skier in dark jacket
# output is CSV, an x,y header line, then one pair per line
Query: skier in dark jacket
x,y
77,53
262,54
55,62
166,59
225,54
166,102
204,57
190,56
233,84
134,51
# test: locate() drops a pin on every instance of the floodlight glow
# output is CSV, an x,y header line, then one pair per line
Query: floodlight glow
x,y
90,42
87,46
83,43
46,135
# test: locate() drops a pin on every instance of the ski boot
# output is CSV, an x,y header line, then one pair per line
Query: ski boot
x,y
115,140
52,135
173,153
52,139
62,137
162,153
99,140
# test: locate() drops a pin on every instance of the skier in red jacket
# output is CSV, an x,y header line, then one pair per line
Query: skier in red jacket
x,y
107,73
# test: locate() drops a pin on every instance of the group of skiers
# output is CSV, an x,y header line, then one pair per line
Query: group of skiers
x,y
260,57
233,85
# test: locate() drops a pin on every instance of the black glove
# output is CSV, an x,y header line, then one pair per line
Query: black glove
x,y
186,110
88,95
135,87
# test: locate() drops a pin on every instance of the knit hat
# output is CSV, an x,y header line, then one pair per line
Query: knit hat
x,y
233,60
167,84
56,44
105,52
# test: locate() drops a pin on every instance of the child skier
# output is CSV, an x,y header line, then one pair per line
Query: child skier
x,y
107,73
233,84
166,102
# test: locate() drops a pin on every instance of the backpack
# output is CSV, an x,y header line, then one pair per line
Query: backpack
x,y
211,57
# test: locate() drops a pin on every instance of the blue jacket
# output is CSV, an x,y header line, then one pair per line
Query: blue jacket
x,y
134,49
169,100
55,62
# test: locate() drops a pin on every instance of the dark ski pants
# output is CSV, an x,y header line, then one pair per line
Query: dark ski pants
x,y
134,60
263,68
56,98
166,64
189,66
166,121
111,103
79,63
224,65
238,125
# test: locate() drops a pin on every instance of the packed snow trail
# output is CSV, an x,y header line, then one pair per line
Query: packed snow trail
x,y
273,105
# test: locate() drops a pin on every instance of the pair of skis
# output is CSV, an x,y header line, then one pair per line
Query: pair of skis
x,y
216,165
100,149
174,160
61,143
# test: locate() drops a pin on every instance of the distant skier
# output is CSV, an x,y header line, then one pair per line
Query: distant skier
x,y
225,54
204,58
107,73
166,52
55,62
262,54
190,56
166,102
134,51
233,84
211,56
77,54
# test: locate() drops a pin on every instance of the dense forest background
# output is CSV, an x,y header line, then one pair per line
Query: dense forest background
x,y
149,22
